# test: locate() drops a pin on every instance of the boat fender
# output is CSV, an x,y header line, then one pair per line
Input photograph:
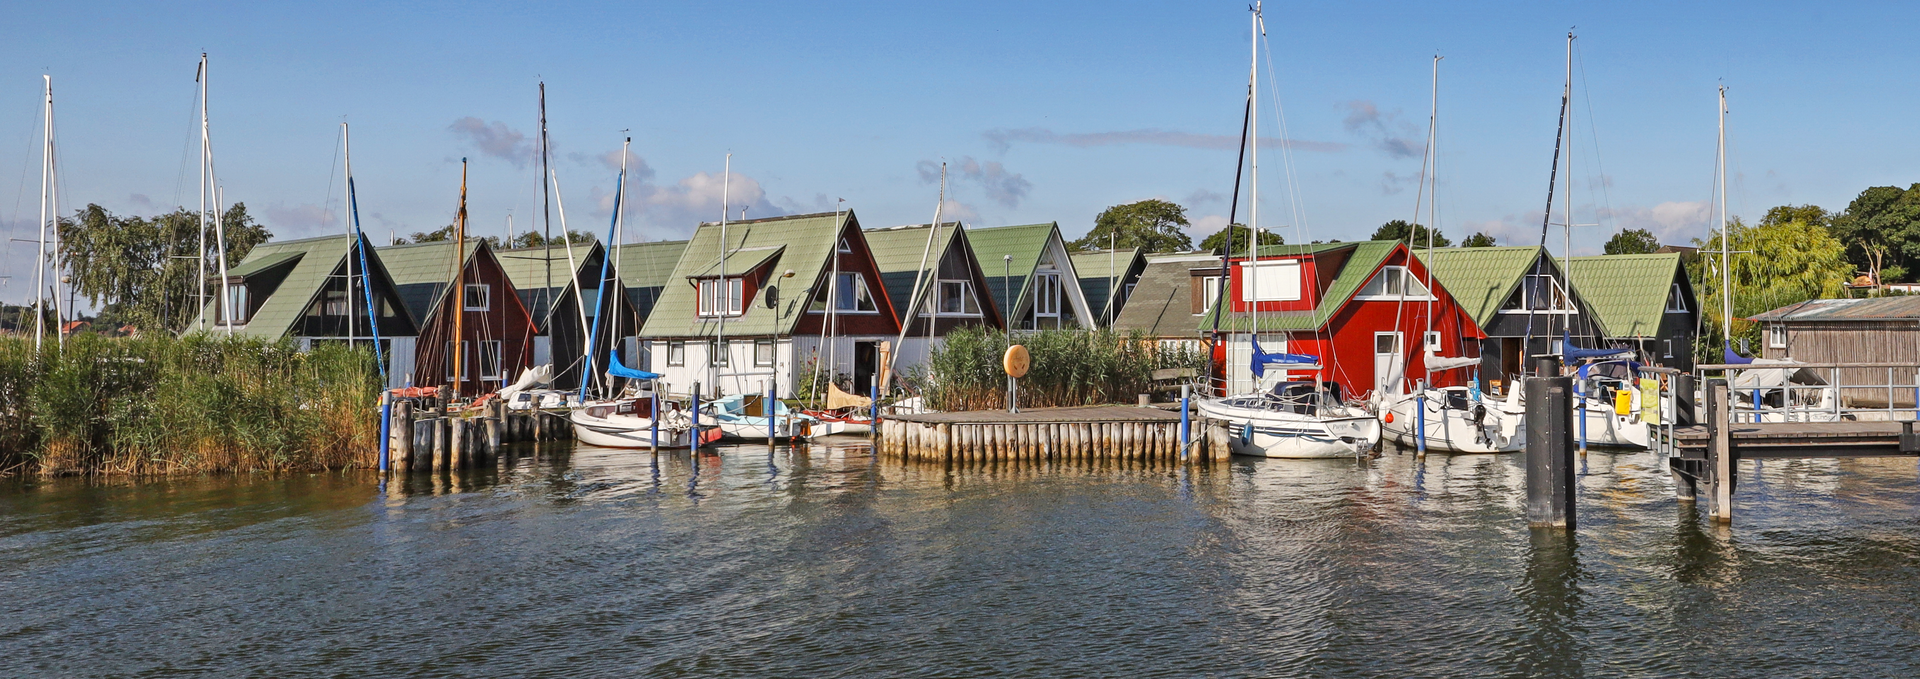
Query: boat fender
x,y
1388,418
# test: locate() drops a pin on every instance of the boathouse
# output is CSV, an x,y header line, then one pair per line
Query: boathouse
x,y
1520,299
1107,279
1362,308
766,296
645,270
954,286
540,275
1031,277
1869,330
1170,295
1642,301
496,331
299,289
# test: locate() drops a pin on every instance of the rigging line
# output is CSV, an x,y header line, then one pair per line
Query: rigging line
x,y
1560,128
1593,130
1298,211
334,164
186,143
1233,206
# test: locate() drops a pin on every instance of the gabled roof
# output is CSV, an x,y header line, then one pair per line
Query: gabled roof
x,y
1025,243
1364,258
527,269
313,260
897,251
1162,306
1481,279
808,241
1901,308
423,272
645,269
1098,270
1628,293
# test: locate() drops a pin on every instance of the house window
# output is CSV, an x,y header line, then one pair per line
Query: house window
x,y
1393,282
1433,341
1046,295
489,359
386,308
1676,303
1539,293
676,353
477,296
1209,291
1555,347
851,293
1777,336
236,303
336,303
1668,350
454,359
1386,343
845,246
763,352
717,353
956,299
716,298
1270,281
1129,293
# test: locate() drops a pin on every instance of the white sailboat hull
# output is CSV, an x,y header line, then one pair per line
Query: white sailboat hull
x,y
1261,432
1451,430
1607,429
626,431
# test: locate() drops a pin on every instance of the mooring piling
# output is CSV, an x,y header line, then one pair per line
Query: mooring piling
x,y
1550,464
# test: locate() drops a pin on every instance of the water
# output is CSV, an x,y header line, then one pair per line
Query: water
x,y
825,562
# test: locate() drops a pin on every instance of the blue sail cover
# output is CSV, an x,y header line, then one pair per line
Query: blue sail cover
x,y
1632,366
1727,356
618,369
1572,353
1261,359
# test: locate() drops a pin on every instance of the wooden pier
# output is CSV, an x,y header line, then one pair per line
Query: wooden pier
x,y
424,435
1122,433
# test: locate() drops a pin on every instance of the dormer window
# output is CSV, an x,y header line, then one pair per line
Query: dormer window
x,y
1394,282
1274,281
722,299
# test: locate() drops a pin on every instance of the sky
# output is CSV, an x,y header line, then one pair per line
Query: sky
x,y
1039,111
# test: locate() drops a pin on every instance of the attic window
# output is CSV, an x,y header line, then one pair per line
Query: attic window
x,y
1676,304
1539,293
1394,282
477,296
1270,281
845,246
851,293
717,300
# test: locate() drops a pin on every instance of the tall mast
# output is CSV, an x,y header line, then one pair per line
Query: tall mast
x,y
619,236
46,184
1253,183
546,252
1433,208
460,285
723,301
200,76
346,178
1726,241
212,182
1566,228
359,251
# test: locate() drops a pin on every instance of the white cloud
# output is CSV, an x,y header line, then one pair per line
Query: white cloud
x,y
1673,222
1001,186
282,218
496,139
1003,139
1387,132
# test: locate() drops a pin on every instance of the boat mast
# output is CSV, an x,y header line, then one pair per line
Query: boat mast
x,y
723,301
1566,227
619,236
346,176
359,250
920,289
1250,291
46,187
546,252
199,76
1433,212
460,285
212,183
1726,242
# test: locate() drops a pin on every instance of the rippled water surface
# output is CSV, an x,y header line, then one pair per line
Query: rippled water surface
x,y
822,561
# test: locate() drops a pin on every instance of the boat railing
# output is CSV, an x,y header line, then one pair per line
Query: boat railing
x,y
1821,392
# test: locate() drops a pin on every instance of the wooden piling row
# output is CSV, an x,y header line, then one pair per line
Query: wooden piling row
x,y
966,439
426,437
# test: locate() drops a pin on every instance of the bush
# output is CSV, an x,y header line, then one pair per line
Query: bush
x,y
1070,368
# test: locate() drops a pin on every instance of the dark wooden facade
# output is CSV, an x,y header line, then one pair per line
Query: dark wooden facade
x,y
502,319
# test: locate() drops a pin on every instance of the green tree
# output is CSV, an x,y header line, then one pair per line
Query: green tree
x,y
1153,225
1401,229
1883,223
1479,239
524,239
1632,242
1218,241
1773,265
144,271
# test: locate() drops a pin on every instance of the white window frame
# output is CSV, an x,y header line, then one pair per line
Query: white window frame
x,y
1209,292
454,350
763,354
708,293
1046,294
966,296
1433,341
718,355
499,359
1526,301
1398,349
1676,304
342,305
1271,281
1668,353
1415,289
677,353
844,247
236,302
485,295
1776,336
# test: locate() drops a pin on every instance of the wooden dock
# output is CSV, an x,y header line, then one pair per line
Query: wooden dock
x,y
1125,433
1803,439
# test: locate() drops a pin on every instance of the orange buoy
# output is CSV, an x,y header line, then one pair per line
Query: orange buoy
x,y
1389,418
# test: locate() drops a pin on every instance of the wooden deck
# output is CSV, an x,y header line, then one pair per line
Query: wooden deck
x,y
1803,439
1047,416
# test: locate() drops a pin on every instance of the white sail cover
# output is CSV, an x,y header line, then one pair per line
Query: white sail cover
x,y
1448,362
531,377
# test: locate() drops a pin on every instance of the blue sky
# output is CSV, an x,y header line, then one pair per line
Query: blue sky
x,y
1044,112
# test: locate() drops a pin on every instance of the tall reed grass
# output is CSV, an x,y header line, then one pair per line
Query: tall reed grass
x,y
164,405
1070,368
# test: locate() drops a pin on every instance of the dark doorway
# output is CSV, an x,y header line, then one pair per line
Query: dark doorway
x,y
866,363
1512,353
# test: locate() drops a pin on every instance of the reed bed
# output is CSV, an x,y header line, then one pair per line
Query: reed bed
x,y
164,405
1070,368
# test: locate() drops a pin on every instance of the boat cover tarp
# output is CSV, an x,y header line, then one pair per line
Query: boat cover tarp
x,y
1727,356
1573,353
1262,359
1438,363
616,369
837,399
1775,378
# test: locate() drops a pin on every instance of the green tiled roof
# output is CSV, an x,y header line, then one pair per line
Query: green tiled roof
x,y
422,272
1098,270
527,269
1025,243
1627,292
314,259
808,240
645,269
255,264
1362,262
1480,279
897,252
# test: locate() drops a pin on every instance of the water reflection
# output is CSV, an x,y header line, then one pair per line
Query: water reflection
x,y
824,560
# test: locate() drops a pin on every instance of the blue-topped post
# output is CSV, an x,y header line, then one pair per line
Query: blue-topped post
x,y
1580,399
1186,420
873,405
1420,417
653,424
769,411
695,432
386,429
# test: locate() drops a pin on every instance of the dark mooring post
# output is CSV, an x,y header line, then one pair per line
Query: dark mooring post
x,y
1685,488
1720,467
1549,446
402,436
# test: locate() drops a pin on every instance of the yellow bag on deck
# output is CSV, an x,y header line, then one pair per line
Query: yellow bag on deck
x,y
1649,399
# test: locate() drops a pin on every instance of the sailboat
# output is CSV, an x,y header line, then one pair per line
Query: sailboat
x,y
1280,417
1445,419
634,418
